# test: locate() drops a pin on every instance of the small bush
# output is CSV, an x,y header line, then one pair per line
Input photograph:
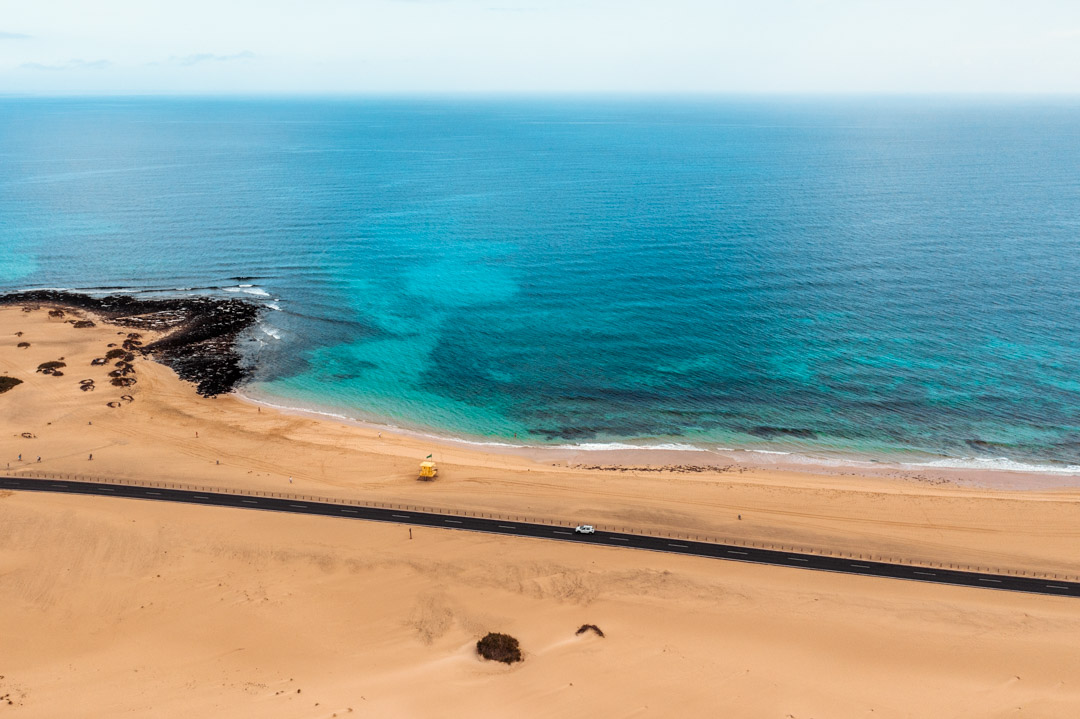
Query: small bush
x,y
52,368
7,383
500,648
82,324
590,628
114,354
24,345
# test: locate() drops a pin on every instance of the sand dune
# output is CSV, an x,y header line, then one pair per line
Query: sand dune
x,y
129,607
120,606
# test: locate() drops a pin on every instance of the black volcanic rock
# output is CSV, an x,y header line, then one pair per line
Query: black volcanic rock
x,y
201,332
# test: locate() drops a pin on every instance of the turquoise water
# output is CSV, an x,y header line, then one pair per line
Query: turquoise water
x,y
895,278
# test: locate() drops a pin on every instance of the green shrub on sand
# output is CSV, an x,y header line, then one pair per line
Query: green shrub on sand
x,y
7,383
590,628
52,368
500,648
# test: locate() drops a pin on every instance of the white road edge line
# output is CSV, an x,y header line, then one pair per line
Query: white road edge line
x,y
861,566
733,551
981,579
400,516
798,559
1056,586
558,532
455,521
678,545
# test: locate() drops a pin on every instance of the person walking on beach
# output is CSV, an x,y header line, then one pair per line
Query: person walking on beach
x,y
90,457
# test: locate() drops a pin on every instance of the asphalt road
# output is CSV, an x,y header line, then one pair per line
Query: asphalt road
x,y
565,534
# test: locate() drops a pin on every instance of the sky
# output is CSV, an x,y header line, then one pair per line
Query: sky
x,y
61,47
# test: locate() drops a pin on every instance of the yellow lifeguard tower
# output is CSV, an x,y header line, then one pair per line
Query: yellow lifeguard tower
x,y
428,470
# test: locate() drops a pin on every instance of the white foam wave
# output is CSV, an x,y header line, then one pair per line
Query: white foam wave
x,y
287,408
274,306
248,290
616,446
1000,464
272,331
459,440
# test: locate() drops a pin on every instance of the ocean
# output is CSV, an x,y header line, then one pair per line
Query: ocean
x,y
887,278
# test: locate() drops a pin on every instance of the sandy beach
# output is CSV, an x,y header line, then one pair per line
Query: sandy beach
x,y
168,611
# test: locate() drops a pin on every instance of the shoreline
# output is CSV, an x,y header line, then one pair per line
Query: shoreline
x,y
200,340
687,459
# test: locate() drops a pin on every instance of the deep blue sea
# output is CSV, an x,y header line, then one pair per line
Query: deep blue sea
x,y
894,278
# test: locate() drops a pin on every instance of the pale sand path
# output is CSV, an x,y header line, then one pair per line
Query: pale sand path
x,y
117,606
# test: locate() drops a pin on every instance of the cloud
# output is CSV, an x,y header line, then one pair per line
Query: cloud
x,y
188,60
69,65
14,36
1064,34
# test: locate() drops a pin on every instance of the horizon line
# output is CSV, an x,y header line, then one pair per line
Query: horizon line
x,y
580,94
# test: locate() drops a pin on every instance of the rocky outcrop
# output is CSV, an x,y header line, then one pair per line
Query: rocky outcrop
x,y
200,332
